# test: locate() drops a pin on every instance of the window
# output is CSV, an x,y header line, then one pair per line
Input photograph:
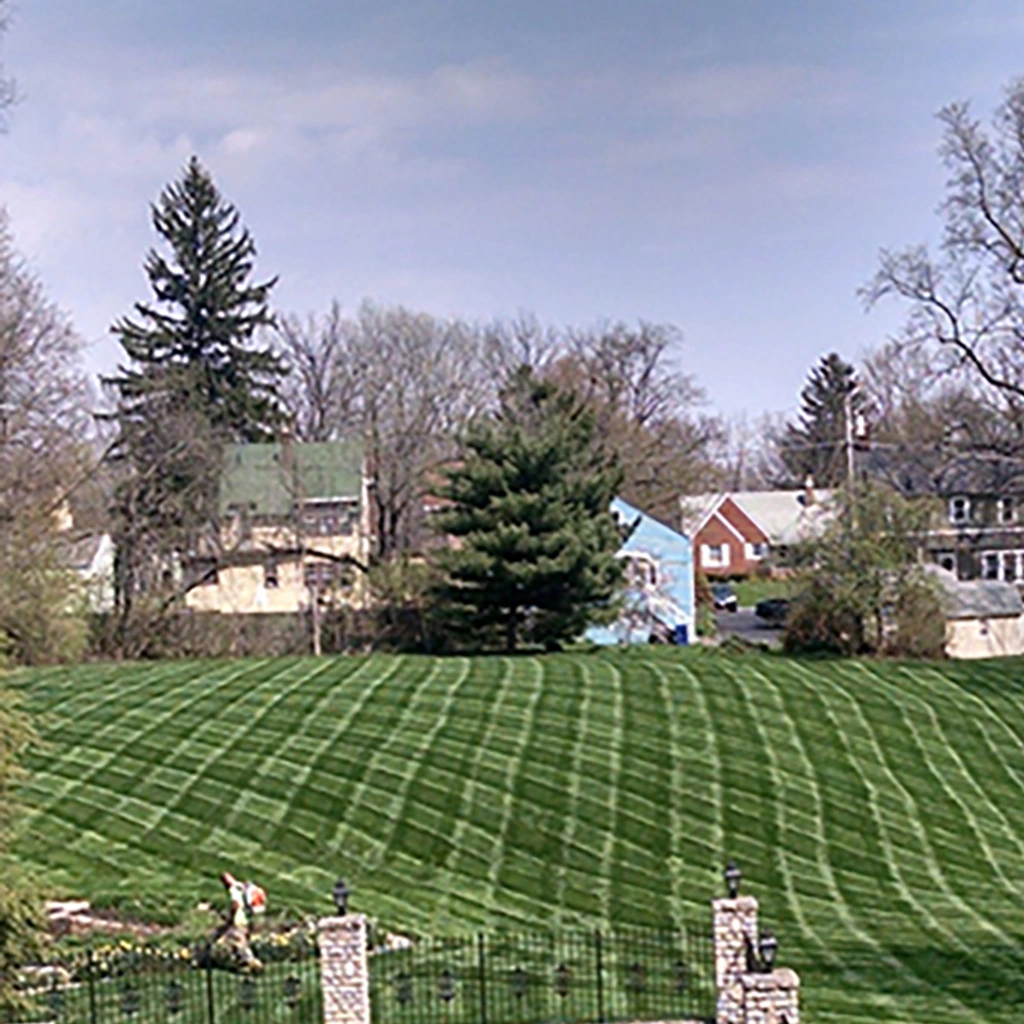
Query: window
x,y
959,509
334,518
1007,512
757,551
714,555
322,576
270,579
641,571
947,560
1003,565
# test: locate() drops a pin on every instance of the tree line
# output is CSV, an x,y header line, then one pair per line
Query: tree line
x,y
207,362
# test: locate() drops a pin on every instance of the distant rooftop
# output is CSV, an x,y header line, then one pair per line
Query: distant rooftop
x,y
977,599
785,516
268,479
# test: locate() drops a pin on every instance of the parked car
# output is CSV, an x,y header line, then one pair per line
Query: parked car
x,y
772,610
724,597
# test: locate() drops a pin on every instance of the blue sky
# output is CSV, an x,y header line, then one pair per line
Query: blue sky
x,y
730,167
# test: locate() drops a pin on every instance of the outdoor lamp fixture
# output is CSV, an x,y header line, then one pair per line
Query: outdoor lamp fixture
x,y
767,946
732,876
341,893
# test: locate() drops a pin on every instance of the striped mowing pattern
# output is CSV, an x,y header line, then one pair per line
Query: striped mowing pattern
x,y
877,810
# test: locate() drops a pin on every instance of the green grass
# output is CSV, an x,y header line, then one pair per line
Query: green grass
x,y
754,589
877,810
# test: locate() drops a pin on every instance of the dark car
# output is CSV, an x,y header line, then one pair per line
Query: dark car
x,y
772,610
724,597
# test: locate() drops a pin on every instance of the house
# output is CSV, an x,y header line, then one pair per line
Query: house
x,y
736,533
984,618
659,599
981,535
294,531
978,528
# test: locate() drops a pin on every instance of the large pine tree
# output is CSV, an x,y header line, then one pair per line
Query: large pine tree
x,y
535,562
815,445
196,379
197,340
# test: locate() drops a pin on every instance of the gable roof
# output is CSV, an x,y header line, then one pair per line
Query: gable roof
x,y
268,479
785,517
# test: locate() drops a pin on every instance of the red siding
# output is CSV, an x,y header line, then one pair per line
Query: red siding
x,y
717,531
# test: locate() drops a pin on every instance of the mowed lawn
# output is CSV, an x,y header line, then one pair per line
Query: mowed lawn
x,y
877,810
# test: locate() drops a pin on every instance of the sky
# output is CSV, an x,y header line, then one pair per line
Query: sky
x,y
730,167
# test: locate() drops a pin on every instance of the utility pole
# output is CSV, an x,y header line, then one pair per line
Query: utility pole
x,y
848,417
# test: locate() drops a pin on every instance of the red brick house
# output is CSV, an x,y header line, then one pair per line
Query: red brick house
x,y
735,534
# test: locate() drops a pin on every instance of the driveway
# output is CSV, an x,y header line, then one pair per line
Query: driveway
x,y
745,624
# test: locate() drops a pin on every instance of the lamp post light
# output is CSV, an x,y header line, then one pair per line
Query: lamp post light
x,y
732,876
341,894
767,946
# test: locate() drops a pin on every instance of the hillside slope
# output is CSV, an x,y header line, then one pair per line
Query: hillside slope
x,y
876,810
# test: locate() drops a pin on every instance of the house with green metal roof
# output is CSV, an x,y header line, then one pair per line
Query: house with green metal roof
x,y
294,530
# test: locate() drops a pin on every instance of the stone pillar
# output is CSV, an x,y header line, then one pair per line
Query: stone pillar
x,y
735,934
772,998
344,971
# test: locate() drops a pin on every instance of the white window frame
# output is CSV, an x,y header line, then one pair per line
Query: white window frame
x,y
999,558
719,561
1007,510
755,550
960,509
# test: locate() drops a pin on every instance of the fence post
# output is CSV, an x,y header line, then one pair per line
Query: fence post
x,y
735,935
90,973
211,1014
600,976
344,969
481,959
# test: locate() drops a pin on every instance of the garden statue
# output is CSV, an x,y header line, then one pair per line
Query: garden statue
x,y
246,899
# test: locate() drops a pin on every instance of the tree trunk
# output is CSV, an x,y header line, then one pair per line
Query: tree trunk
x,y
512,630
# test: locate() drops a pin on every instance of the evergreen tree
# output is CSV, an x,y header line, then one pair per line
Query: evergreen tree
x,y
531,509
815,445
195,381
196,343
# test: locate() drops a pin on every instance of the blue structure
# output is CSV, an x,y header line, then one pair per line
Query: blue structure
x,y
659,597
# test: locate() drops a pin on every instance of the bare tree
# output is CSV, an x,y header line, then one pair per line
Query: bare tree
x,y
322,389
405,383
44,452
969,297
746,453
408,383
647,410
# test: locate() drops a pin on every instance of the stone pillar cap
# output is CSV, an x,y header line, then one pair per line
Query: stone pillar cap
x,y
780,978
740,903
334,921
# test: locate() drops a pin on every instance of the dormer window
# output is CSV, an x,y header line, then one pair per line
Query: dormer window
x,y
1007,511
960,509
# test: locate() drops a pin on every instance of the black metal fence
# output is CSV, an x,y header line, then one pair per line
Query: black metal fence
x,y
187,986
627,975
